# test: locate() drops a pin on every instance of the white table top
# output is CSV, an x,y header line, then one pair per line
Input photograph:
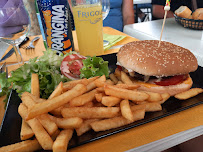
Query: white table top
x,y
141,1
173,32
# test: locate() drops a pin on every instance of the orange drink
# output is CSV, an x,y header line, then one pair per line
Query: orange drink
x,y
89,24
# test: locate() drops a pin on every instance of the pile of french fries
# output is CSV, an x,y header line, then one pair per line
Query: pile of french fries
x,y
81,105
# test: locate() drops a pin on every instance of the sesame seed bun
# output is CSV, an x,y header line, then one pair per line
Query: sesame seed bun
x,y
146,58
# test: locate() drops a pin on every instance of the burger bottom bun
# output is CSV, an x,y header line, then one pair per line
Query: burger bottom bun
x,y
172,89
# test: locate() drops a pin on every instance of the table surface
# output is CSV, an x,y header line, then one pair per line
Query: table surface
x,y
173,32
145,136
142,1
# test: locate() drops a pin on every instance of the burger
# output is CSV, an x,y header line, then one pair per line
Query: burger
x,y
163,69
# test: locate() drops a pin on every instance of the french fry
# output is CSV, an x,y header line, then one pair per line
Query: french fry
x,y
24,146
89,104
88,113
35,85
85,126
149,107
99,96
109,82
47,123
110,101
125,78
113,78
100,81
165,96
56,102
57,111
83,99
58,91
140,102
27,99
100,89
125,110
53,137
188,94
115,122
70,84
153,96
67,123
118,74
35,98
125,94
120,82
91,86
67,105
61,142
92,79
44,119
129,87
26,132
40,133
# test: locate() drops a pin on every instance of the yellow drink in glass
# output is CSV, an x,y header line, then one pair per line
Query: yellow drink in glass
x,y
89,28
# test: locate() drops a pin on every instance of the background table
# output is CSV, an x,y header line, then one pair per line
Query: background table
x,y
173,32
141,1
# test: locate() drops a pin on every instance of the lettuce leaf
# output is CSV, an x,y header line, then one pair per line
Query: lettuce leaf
x,y
5,87
94,66
48,69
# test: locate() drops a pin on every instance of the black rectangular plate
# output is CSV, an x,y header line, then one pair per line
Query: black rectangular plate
x,y
10,128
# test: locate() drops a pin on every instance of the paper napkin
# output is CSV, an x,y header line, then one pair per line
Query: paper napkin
x,y
113,39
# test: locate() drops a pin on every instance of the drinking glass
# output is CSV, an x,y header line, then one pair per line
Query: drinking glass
x,y
105,8
105,12
14,26
87,16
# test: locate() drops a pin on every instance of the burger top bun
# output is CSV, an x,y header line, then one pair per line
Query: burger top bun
x,y
183,11
145,57
198,14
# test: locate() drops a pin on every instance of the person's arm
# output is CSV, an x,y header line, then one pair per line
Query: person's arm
x,y
158,12
128,12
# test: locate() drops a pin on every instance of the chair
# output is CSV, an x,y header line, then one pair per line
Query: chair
x,y
143,8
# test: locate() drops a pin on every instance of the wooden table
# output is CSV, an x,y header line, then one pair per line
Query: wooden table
x,y
144,134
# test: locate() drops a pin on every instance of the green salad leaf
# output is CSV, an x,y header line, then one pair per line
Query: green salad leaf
x,y
94,66
5,87
48,69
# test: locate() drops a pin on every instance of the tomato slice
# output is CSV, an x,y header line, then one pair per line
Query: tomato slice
x,y
71,65
119,67
171,80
